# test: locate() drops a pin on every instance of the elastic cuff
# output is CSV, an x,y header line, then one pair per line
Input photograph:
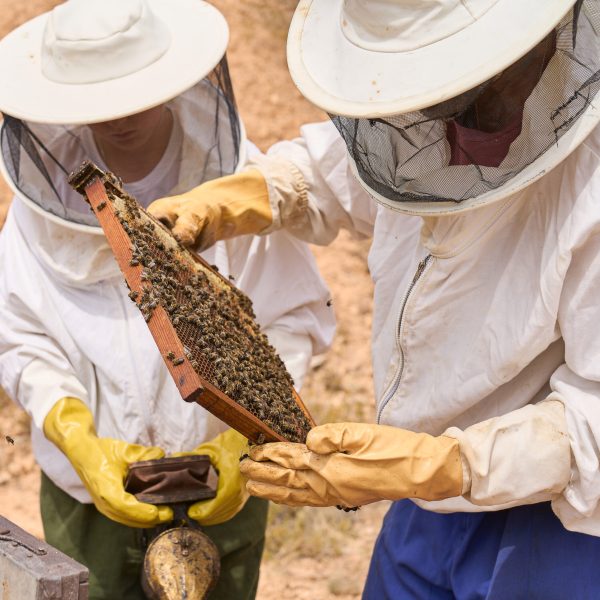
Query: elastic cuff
x,y
466,469
288,191
456,433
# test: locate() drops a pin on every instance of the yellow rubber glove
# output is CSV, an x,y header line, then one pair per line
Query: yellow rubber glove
x,y
224,452
102,464
217,210
351,464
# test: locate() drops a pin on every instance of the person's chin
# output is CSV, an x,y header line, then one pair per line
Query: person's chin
x,y
128,139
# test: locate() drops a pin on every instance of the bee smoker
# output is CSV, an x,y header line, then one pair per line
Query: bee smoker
x,y
180,561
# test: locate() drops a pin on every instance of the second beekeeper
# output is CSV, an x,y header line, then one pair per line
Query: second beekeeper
x,y
142,89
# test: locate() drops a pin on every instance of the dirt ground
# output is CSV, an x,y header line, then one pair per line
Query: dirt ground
x,y
311,554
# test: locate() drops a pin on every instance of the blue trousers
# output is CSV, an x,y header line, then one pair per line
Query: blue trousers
x,y
523,553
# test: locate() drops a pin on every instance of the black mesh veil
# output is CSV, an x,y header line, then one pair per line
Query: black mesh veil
x,y
477,142
225,112
38,157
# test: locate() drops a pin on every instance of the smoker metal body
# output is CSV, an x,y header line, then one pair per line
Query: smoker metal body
x,y
33,570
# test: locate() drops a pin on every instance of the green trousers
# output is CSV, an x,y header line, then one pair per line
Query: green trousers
x,y
114,553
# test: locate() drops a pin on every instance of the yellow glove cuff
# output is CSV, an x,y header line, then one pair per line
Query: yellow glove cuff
x,y
225,452
65,418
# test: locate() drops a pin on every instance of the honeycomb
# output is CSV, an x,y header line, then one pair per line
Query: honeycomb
x,y
213,320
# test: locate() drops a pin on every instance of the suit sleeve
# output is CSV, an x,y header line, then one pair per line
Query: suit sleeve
x,y
312,190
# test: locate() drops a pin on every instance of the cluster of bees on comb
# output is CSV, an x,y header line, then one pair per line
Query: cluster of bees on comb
x,y
215,322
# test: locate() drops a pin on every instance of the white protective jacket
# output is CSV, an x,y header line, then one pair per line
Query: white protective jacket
x,y
486,323
68,328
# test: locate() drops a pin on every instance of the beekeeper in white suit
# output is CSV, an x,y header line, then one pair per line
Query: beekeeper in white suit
x,y
469,151
142,89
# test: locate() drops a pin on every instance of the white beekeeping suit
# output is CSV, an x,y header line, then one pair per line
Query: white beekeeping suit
x,y
504,347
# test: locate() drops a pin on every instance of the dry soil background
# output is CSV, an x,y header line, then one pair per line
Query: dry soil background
x,y
311,554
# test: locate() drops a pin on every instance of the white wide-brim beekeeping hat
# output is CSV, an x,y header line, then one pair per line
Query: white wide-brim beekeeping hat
x,y
369,60
93,61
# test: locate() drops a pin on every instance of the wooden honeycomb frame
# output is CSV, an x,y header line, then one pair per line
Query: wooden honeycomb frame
x,y
98,187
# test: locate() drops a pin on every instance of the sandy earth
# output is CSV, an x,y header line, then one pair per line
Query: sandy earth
x,y
311,554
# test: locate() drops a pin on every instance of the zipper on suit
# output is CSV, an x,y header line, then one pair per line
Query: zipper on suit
x,y
398,376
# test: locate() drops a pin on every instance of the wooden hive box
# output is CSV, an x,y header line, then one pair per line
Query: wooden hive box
x,y
30,569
